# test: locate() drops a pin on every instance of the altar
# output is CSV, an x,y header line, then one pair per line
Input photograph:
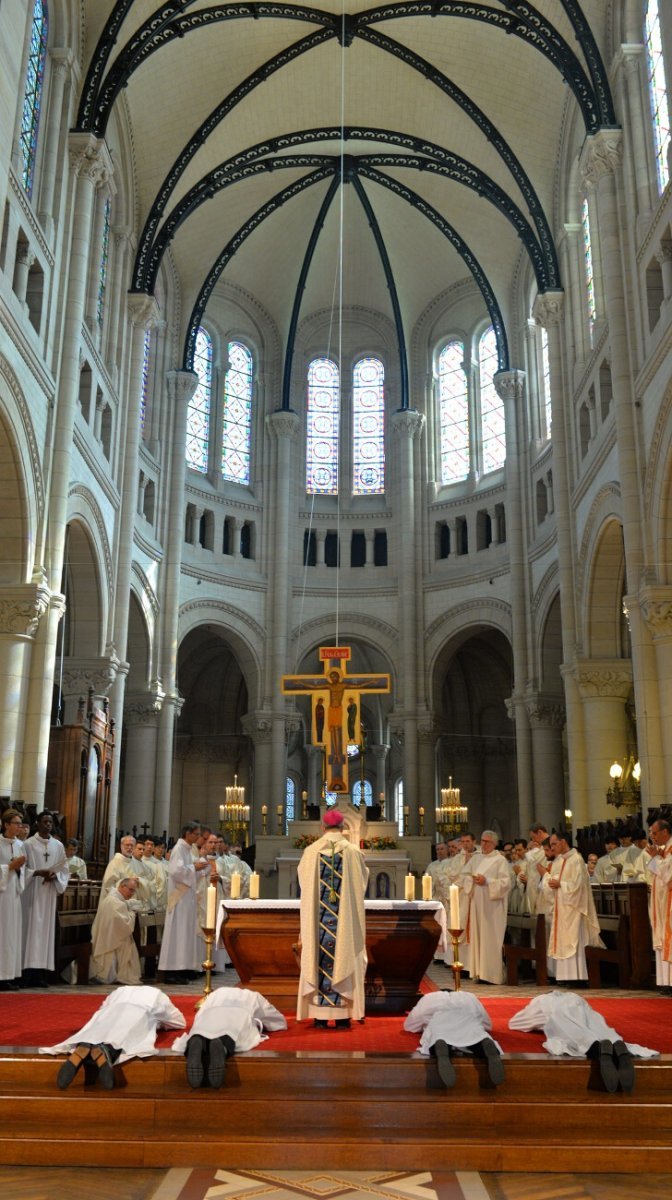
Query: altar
x,y
401,940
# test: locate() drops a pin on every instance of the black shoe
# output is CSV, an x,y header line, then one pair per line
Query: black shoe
x,y
217,1064
72,1064
444,1065
320,1024
342,1024
494,1060
624,1065
102,1055
608,1069
195,1064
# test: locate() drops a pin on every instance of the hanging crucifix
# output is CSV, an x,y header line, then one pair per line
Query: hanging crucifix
x,y
336,709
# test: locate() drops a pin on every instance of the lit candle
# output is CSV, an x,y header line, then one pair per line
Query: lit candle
x,y
221,812
304,796
211,907
235,886
254,885
421,812
454,906
279,810
406,810
426,886
409,887
264,810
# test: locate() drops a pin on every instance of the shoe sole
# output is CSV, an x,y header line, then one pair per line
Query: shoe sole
x,y
195,1062
494,1061
443,1064
608,1070
625,1066
217,1065
70,1068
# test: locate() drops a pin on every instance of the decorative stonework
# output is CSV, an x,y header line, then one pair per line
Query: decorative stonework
x,y
606,678
656,608
90,159
258,726
22,608
549,309
408,423
283,424
601,155
144,311
545,712
98,673
510,386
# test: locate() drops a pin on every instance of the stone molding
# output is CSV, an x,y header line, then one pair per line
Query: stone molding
x,y
408,422
549,309
656,608
22,608
601,155
603,677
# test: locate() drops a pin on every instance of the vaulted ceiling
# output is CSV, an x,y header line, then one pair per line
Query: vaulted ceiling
x,y
441,120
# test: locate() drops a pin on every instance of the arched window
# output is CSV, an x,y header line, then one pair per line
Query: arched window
x,y
453,414
237,414
399,806
368,427
493,441
362,793
32,93
104,257
546,381
145,379
322,427
588,263
290,801
198,413
657,92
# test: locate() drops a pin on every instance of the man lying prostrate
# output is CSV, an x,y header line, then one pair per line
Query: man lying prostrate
x,y
572,1027
455,1021
230,1019
125,1026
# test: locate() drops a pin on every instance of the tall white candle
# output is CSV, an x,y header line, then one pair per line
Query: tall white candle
x,y
235,886
454,906
426,886
211,907
254,885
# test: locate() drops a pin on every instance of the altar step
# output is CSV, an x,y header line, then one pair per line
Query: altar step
x,y
343,1111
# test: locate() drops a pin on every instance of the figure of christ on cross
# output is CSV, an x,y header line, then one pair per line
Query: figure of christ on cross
x,y
331,687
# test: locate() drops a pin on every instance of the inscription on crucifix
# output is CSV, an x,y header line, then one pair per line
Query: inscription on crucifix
x,y
336,709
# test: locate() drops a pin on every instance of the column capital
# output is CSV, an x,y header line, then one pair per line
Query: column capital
x,y
90,158
97,673
61,60
22,608
143,309
548,308
655,605
601,155
629,57
283,423
603,677
258,726
545,712
181,385
510,385
407,422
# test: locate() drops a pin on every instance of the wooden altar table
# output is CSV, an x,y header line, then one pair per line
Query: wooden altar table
x,y
401,939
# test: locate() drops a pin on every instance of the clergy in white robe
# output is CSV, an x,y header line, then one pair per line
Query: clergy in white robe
x,y
574,923
659,878
181,947
127,1020
439,870
145,896
452,1021
533,859
459,866
231,1019
119,866
332,876
487,883
114,954
47,877
570,1025
12,862
76,865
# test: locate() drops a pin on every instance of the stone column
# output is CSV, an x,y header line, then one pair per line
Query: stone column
x,y
604,686
407,427
380,754
656,609
181,386
427,781
259,728
60,68
283,427
664,256
21,609
548,312
23,262
631,60
91,167
320,543
80,674
600,165
142,716
547,717
510,386
369,535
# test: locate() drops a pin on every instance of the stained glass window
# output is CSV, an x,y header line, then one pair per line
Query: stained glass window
x,y
368,427
145,379
588,262
362,793
658,92
290,801
237,415
322,427
493,440
546,380
32,94
104,256
198,413
453,414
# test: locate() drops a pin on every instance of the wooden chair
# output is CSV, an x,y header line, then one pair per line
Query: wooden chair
x,y
617,929
528,951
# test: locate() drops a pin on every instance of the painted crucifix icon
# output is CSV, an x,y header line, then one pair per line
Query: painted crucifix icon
x,y
336,708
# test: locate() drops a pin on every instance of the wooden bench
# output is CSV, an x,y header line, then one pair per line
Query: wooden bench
x,y
532,948
617,950
148,933
75,914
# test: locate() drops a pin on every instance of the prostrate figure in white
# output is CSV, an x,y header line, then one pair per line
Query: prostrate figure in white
x,y
231,1019
572,1027
455,1021
125,1026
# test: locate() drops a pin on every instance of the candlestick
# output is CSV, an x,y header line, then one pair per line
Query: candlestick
x,y
235,886
304,805
254,885
409,887
454,906
208,963
426,886
211,906
264,815
456,966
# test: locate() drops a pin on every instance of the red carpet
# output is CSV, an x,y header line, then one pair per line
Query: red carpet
x,y
43,1020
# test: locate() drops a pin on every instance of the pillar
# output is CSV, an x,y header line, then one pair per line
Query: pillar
x,y
604,686
546,715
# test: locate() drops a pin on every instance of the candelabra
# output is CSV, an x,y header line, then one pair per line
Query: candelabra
x,y
234,816
451,816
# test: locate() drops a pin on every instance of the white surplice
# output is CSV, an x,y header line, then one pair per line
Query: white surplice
x,y
181,947
237,1013
570,1024
457,1018
127,1020
486,924
11,887
574,923
39,900
659,874
114,954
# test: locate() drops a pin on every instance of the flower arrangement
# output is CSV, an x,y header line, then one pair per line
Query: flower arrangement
x,y
379,843
306,839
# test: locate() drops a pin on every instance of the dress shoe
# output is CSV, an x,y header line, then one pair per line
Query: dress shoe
x,y
624,1065
443,1063
494,1061
217,1063
195,1064
608,1069
342,1024
320,1024
71,1066
102,1056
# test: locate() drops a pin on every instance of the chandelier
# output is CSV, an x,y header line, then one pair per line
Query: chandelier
x,y
234,815
451,816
